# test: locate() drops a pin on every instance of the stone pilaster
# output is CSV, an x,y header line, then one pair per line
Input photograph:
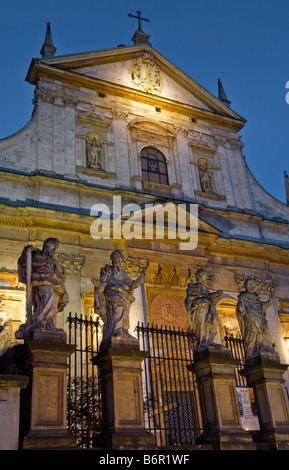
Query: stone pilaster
x,y
214,369
122,396
44,97
265,375
70,103
184,161
120,136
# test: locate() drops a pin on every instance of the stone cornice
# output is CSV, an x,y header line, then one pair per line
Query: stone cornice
x,y
213,245
239,248
216,116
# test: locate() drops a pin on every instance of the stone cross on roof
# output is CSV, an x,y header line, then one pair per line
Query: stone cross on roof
x,y
139,18
139,36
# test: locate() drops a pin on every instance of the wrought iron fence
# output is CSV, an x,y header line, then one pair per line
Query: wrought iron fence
x,y
171,402
236,345
83,393
172,411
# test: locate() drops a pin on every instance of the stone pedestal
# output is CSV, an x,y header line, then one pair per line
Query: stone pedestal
x,y
122,396
10,386
265,374
46,394
214,368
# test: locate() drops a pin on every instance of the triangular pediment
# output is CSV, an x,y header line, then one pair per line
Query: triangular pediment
x,y
140,70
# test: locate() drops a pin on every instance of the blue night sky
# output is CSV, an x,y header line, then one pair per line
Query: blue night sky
x,y
246,44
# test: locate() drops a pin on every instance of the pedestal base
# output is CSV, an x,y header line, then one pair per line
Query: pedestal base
x,y
266,377
44,406
128,441
214,368
42,441
123,415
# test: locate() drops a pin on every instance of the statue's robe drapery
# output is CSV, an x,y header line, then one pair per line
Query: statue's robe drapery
x,y
49,295
117,288
253,324
202,314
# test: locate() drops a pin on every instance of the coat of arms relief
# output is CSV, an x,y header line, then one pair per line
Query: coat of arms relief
x,y
146,74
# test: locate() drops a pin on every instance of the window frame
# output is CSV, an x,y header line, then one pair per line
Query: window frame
x,y
148,157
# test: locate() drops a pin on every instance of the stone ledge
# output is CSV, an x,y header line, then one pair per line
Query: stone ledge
x,y
13,381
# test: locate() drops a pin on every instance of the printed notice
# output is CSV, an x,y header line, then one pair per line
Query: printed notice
x,y
248,409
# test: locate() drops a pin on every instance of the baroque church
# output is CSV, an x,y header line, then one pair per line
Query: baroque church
x,y
126,124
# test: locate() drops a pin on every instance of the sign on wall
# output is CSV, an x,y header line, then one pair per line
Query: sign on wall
x,y
248,409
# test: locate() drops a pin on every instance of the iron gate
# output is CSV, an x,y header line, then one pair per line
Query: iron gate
x,y
171,403
170,393
83,391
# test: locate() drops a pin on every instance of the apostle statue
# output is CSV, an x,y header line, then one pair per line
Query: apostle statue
x,y
202,312
46,294
114,296
94,150
251,315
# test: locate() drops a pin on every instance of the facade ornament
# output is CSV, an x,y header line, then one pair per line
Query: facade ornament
x,y
94,146
118,114
251,315
236,144
220,140
113,295
168,309
202,312
71,263
167,274
146,74
70,101
44,94
134,266
46,294
91,114
261,284
181,130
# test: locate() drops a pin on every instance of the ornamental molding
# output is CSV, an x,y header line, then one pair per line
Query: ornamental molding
x,y
146,75
263,284
118,114
72,263
70,101
93,115
43,94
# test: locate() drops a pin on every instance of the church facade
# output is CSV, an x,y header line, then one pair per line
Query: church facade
x,y
125,128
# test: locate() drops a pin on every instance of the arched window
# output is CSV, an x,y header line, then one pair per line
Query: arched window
x,y
153,166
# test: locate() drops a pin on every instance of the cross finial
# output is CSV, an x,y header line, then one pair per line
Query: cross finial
x,y
139,18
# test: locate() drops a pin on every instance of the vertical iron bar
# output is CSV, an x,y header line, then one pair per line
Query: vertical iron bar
x,y
189,408
166,359
69,374
93,407
87,383
155,358
152,360
170,379
81,376
172,336
75,376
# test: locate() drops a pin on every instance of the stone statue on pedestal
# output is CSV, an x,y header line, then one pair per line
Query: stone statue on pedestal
x,y
114,296
46,294
251,315
202,312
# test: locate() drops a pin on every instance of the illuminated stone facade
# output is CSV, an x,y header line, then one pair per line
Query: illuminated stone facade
x,y
94,114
